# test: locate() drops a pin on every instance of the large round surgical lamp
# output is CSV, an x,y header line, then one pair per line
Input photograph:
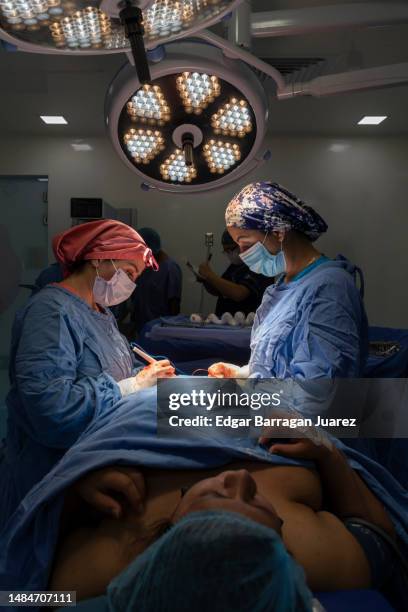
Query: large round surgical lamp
x,y
199,124
105,26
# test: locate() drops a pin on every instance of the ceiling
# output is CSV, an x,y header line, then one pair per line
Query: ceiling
x,y
75,87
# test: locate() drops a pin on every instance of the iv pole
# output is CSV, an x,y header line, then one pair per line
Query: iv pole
x,y
209,243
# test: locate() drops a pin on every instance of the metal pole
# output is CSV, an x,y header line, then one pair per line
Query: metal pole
x,y
232,51
346,82
295,22
239,26
209,243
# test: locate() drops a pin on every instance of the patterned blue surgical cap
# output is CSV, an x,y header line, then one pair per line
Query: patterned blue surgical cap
x,y
267,206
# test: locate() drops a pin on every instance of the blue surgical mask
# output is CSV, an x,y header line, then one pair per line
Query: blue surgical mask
x,y
114,291
261,261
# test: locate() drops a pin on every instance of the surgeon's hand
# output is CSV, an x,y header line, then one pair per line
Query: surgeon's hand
x,y
113,490
299,448
224,370
147,377
159,369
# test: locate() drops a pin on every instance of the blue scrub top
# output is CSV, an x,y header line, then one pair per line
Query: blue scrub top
x,y
65,362
310,267
312,327
255,283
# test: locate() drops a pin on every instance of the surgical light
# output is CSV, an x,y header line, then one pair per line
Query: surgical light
x,y
233,119
169,18
106,26
24,14
221,156
149,106
87,28
95,26
193,88
176,170
197,91
143,145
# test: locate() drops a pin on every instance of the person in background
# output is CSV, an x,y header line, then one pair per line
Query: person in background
x,y
312,322
52,274
69,364
158,292
238,289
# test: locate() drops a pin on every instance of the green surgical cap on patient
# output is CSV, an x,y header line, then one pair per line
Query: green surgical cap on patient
x,y
213,562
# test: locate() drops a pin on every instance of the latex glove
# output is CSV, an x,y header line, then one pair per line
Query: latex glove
x,y
228,370
113,490
146,377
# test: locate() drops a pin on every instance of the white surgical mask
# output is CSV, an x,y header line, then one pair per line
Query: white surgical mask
x,y
114,291
261,261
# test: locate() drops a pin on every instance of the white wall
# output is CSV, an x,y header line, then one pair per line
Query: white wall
x,y
359,187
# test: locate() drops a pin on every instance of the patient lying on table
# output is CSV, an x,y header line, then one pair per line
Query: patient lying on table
x,y
314,515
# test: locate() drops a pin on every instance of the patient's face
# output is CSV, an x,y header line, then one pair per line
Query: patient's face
x,y
233,491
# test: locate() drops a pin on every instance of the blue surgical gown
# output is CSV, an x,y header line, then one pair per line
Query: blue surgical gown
x,y
312,327
64,363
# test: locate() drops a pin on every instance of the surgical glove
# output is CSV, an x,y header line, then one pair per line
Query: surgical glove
x,y
228,370
146,377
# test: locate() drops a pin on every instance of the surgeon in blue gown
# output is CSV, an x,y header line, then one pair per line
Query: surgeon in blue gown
x,y
311,323
69,364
